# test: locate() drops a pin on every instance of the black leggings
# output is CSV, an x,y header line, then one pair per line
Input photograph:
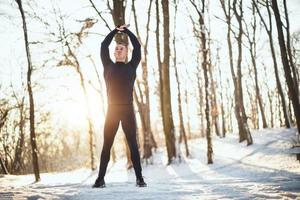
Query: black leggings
x,y
115,114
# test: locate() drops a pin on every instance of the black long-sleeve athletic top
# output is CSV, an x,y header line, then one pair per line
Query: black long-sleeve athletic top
x,y
119,77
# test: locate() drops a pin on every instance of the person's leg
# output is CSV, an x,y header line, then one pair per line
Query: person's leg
x,y
110,129
129,127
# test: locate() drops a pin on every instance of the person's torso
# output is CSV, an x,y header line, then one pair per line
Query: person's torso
x,y
119,80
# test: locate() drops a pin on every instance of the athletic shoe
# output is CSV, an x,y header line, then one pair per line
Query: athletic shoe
x,y
99,183
140,182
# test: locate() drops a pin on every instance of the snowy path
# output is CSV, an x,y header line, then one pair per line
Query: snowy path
x,y
263,170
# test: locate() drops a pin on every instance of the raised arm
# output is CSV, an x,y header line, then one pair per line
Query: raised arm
x,y
104,53
136,54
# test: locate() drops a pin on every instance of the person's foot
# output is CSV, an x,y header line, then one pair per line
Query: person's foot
x,y
99,183
140,182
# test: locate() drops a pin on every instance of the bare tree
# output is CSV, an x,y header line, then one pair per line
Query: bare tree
x,y
186,100
118,15
244,132
213,93
224,129
34,148
182,133
253,103
268,28
292,88
4,169
3,118
199,84
71,59
17,164
244,129
289,50
251,37
99,90
165,93
295,38
205,67
144,103
99,14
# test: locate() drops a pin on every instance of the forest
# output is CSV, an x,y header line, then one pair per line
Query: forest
x,y
209,71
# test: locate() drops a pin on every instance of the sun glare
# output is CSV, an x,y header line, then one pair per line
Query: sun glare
x,y
74,112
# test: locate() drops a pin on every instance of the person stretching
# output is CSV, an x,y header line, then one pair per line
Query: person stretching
x,y
119,79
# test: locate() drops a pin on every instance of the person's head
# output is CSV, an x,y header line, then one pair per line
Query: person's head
x,y
121,51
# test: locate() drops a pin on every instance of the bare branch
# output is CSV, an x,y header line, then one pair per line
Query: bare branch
x,y
99,13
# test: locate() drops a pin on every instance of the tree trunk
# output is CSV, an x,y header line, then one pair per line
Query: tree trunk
x,y
89,117
144,104
17,164
166,106
224,130
182,133
289,50
205,68
213,93
241,108
148,143
286,65
157,35
253,107
4,169
118,14
187,113
244,133
252,50
201,101
278,83
3,118
230,52
270,96
199,84
213,96
34,148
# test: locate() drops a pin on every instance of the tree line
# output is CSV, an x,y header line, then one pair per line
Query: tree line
x,y
24,127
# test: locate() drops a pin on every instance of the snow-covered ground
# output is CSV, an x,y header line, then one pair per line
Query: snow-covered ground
x,y
265,170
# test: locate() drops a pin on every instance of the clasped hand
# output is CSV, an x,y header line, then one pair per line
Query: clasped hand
x,y
121,28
